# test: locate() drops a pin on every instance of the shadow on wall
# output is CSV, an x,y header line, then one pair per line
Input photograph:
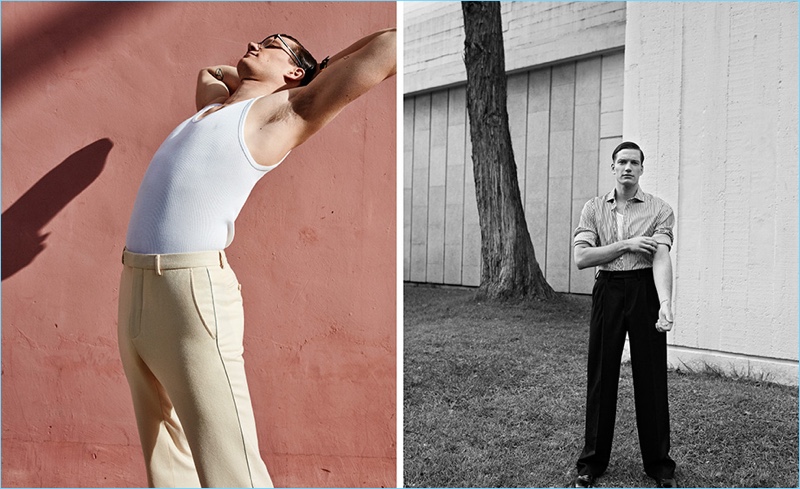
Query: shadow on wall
x,y
27,55
22,223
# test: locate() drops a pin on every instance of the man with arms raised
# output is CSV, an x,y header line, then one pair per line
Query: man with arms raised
x,y
180,312
628,235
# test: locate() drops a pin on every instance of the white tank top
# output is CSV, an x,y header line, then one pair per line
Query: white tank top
x,y
195,186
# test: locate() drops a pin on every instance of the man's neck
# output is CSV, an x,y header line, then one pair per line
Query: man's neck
x,y
625,192
249,89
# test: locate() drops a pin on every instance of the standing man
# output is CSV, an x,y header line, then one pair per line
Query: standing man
x,y
180,310
628,235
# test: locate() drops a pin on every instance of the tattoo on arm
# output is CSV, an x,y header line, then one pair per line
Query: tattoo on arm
x,y
218,74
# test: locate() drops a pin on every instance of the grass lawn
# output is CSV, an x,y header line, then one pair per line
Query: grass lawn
x,y
494,396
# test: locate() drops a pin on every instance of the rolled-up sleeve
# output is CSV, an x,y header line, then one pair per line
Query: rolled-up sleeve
x,y
665,221
586,232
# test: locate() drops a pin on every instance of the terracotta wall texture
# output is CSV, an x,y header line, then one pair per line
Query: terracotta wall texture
x,y
89,91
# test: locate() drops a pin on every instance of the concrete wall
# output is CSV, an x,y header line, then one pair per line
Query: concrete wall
x,y
89,91
564,122
565,114
711,93
535,33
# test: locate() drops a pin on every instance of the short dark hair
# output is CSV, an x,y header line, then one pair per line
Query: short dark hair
x,y
307,61
626,145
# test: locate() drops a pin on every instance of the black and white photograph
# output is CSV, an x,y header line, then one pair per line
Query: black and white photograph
x,y
600,257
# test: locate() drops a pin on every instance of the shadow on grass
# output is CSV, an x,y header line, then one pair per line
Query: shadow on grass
x,y
494,396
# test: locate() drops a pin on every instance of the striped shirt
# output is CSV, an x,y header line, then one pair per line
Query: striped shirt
x,y
644,215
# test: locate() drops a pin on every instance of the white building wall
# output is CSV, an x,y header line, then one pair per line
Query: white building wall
x,y
565,117
711,93
534,33
564,121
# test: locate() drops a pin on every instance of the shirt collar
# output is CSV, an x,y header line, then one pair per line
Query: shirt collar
x,y
638,196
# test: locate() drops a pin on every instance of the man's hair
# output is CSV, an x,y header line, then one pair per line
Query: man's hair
x,y
626,145
307,61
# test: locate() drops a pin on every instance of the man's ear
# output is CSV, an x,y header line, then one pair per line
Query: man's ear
x,y
296,74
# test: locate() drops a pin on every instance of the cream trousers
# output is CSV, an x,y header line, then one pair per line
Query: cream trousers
x,y
181,326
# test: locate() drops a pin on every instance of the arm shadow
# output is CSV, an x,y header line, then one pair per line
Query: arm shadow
x,y
23,221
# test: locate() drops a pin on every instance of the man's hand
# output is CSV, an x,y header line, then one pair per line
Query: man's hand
x,y
642,244
665,318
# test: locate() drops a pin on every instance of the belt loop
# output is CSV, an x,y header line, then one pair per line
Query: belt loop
x,y
158,264
221,259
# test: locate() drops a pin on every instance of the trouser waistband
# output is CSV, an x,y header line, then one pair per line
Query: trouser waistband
x,y
173,261
611,275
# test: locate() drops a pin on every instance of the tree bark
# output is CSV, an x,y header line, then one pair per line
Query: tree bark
x,y
509,270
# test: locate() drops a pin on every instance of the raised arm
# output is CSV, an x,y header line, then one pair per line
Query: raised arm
x,y
357,45
349,74
215,84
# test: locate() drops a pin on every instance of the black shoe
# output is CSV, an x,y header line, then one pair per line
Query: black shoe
x,y
666,482
584,481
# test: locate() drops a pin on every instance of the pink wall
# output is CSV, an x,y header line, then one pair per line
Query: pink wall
x,y
89,91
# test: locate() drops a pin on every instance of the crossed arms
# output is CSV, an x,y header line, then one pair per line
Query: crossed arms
x,y
589,256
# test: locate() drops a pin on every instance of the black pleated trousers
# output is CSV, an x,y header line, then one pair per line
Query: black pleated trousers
x,y
626,302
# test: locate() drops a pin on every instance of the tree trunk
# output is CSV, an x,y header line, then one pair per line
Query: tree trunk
x,y
509,270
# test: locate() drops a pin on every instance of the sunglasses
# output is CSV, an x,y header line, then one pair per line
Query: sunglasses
x,y
268,40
